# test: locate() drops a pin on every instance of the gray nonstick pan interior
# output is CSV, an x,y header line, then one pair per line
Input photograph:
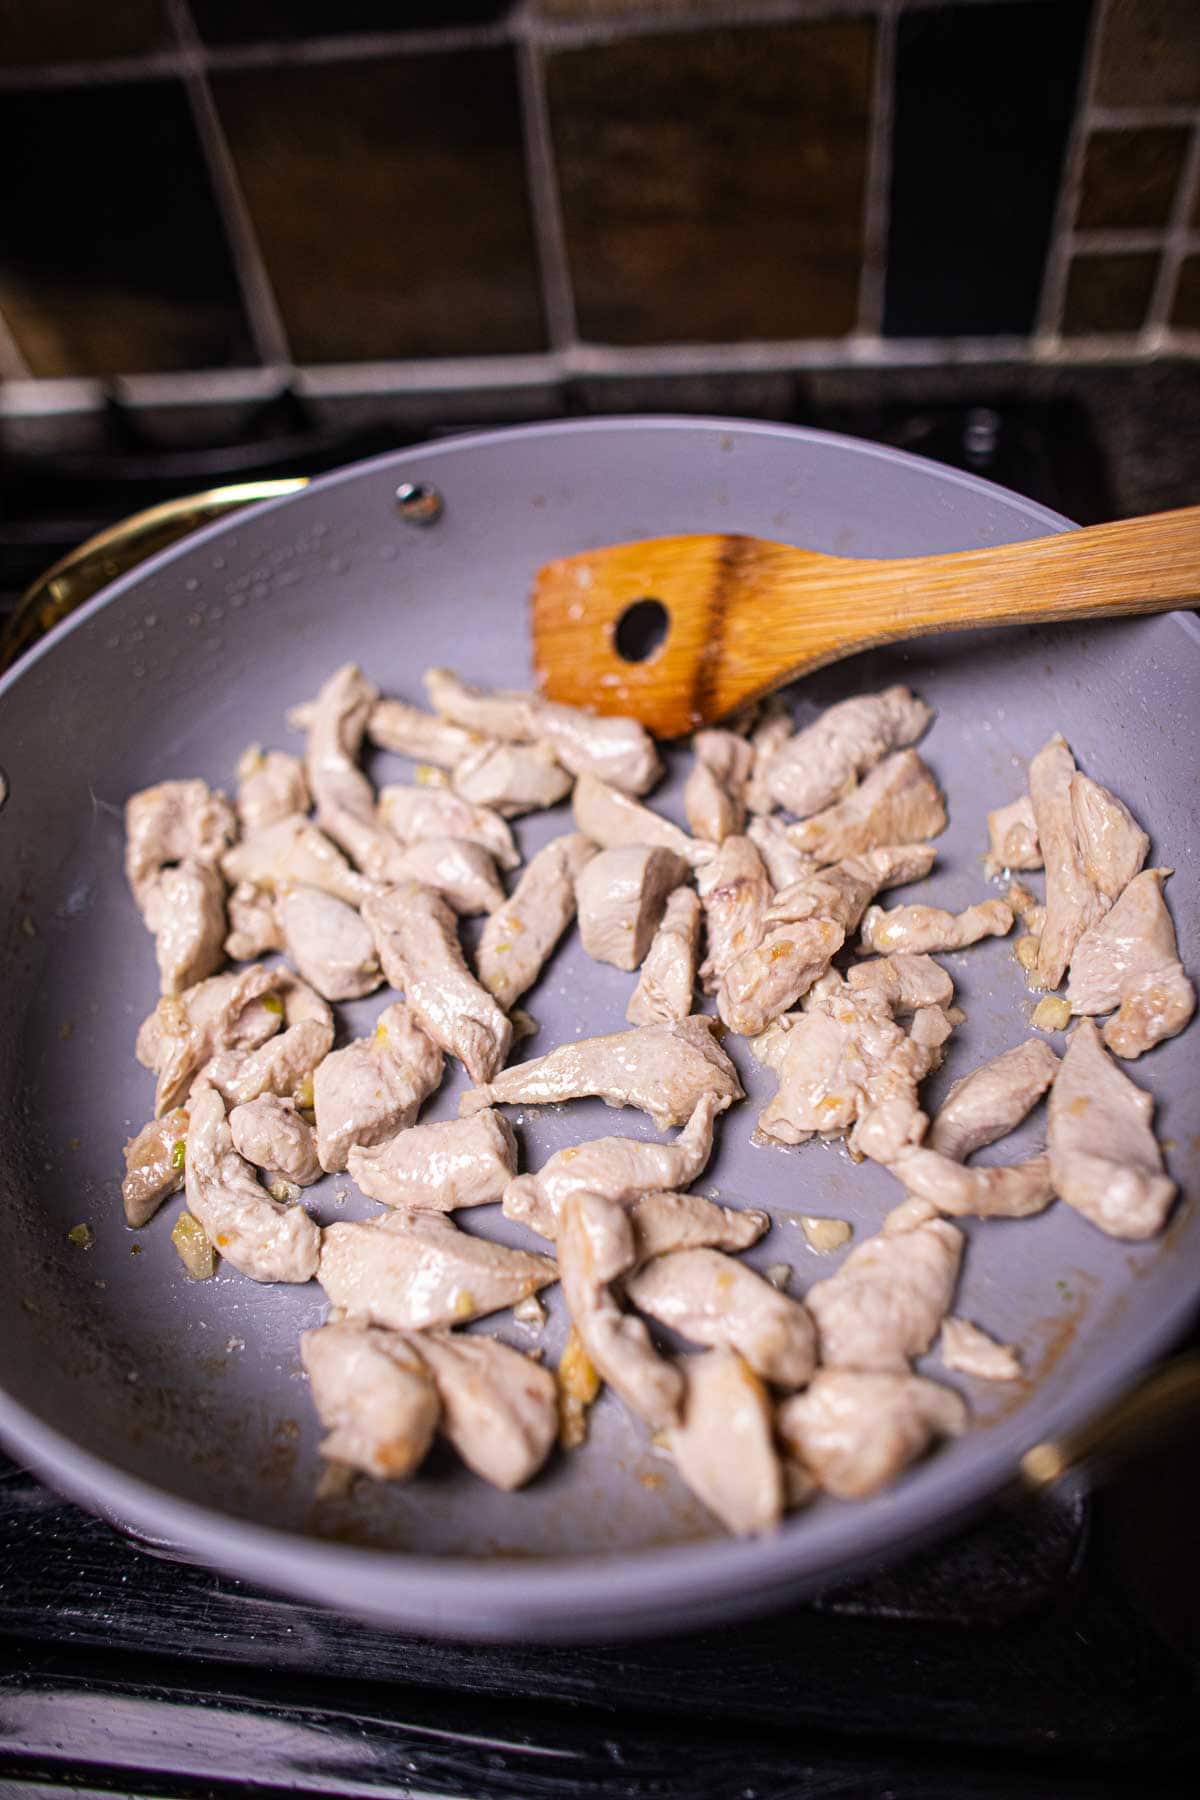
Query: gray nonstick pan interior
x,y
180,1409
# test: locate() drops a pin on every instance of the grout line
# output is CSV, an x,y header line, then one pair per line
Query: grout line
x,y
1180,239
877,199
1052,299
13,366
155,65
1133,118
363,46
1115,241
545,201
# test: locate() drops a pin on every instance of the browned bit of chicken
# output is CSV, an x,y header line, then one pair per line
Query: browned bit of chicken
x,y
417,939
1104,1158
372,1088
664,1223
255,1234
621,895
225,1013
185,909
886,1302
520,935
154,1166
1013,838
1130,960
413,814
767,980
735,891
783,862
253,927
294,850
772,731
374,1394
458,869
714,795
854,1431
898,803
345,799
174,822
968,1350
498,1408
822,763
439,1166
426,738
271,786
512,778
711,1299
724,1445
612,820
662,1069
668,979
1014,1191
284,1063
413,1270
842,891
993,1099
903,982
920,929
270,1133
329,943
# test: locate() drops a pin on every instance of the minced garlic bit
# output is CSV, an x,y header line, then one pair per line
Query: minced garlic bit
x,y
249,762
193,1248
578,1385
82,1236
825,1234
427,776
273,1004
779,1274
530,1311
179,1153
1051,1014
1026,950
304,1095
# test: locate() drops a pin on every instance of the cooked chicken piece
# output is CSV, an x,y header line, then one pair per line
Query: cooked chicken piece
x,y
1026,906
375,1395
712,1299
457,868
842,891
345,799
411,731
177,821
664,1223
892,1121
855,1432
1104,1158
662,1069
827,1061
499,1408
285,1063
904,982
1013,1192
512,778
154,1166
270,1133
668,979
185,909
735,892
887,1301
1012,838
258,1236
714,795
616,1168
226,1012
919,929
253,927
724,1447
413,814
518,938
1154,1006
417,939
621,895
373,1088
970,1351
294,850
1131,960
898,803
767,980
822,763
411,1270
612,820
596,1246
271,786
620,751
783,862
774,728
502,713
993,1099
329,943
440,1166
1114,845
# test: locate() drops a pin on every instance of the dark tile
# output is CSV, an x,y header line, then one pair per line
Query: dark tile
x,y
1129,177
389,197
279,21
984,101
1108,293
1185,310
712,183
55,31
112,258
1149,54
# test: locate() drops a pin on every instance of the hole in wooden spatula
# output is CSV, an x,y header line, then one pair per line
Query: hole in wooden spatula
x,y
641,630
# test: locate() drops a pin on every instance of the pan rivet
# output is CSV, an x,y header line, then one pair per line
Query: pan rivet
x,y
419,502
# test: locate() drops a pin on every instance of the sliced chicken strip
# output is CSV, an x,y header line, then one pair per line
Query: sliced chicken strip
x,y
417,940
891,1122
439,1166
225,1013
496,712
612,820
662,1069
774,728
1104,1158
1013,838
887,1301
329,943
1131,960
664,1223
668,978
512,778
412,1270
766,981
898,803
174,822
345,799
285,1064
256,1235
1074,899
970,1351
462,871
904,982
413,814
499,1408
253,927
821,764
373,1088
271,786
842,891
993,1099
735,891
294,850
616,1168
596,1246
1113,844
621,895
783,862
154,1166
520,935
714,795
270,1133
375,1396
1154,1006
826,1061
620,751
185,909
855,1432
411,731
724,1446
714,1300
920,929
1013,1192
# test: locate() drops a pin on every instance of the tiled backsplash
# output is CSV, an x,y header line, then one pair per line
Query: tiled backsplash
x,y
367,192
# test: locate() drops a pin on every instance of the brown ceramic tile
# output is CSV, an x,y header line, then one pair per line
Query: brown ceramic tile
x,y
1130,177
55,31
1150,54
712,183
112,258
281,21
1185,310
1108,293
389,198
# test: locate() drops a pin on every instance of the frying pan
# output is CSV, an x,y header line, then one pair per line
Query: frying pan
x,y
179,1410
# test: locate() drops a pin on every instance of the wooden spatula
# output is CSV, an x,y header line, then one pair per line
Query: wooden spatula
x,y
681,631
